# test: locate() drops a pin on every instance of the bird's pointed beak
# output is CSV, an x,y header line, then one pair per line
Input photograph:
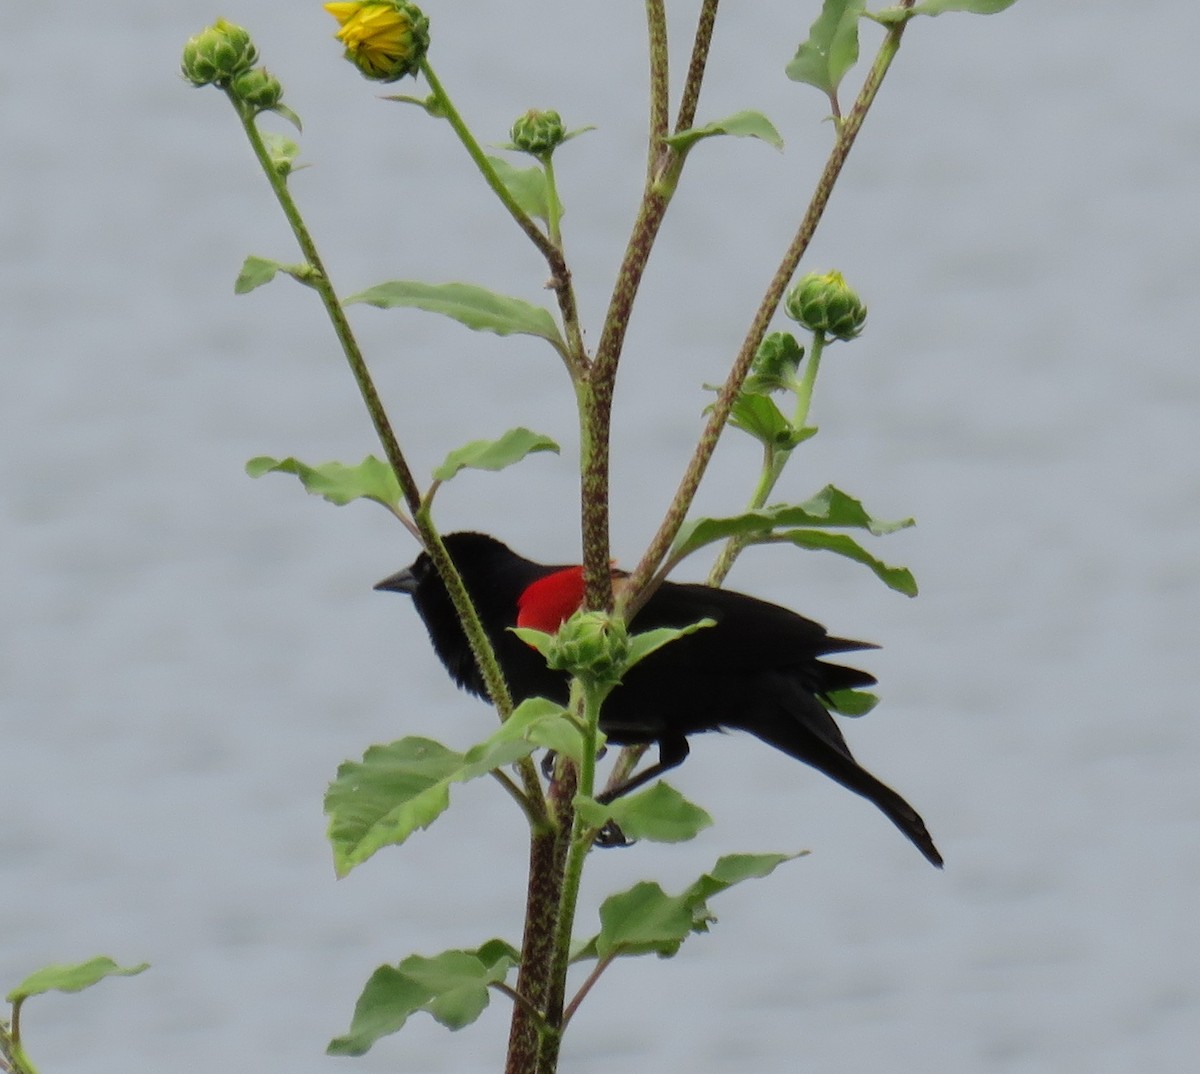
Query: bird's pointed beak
x,y
403,582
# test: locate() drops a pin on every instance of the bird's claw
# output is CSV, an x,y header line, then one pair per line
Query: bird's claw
x,y
612,836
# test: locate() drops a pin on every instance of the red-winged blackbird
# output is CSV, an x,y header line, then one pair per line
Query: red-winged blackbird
x,y
758,668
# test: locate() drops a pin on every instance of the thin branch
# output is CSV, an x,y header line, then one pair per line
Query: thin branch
x,y
700,49
586,987
560,274
639,582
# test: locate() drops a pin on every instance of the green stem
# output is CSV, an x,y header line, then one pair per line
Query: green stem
x,y
560,274
774,459
553,209
804,390
640,580
11,1048
318,278
581,841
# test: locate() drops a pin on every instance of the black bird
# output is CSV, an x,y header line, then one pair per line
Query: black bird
x,y
759,668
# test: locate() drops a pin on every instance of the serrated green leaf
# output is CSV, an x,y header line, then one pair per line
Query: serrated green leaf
x,y
72,977
836,508
387,1000
452,986
371,479
383,799
510,448
828,508
643,919
476,307
528,187
898,578
733,869
832,46
646,920
457,982
401,787
978,7
746,124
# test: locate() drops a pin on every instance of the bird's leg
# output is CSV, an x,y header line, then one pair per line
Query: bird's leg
x,y
671,753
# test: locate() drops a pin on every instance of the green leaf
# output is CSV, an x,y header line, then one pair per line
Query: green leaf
x,y
660,814
282,150
405,785
547,725
746,124
383,799
832,46
371,479
71,978
259,270
650,641
452,986
510,448
534,723
851,702
476,307
387,1000
978,7
898,578
760,416
645,919
730,870
830,507
528,187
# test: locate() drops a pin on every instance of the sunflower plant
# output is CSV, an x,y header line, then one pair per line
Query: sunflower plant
x,y
394,789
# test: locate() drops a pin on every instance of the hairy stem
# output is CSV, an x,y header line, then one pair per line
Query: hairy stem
x,y
774,459
580,843
640,587
690,98
560,274
318,278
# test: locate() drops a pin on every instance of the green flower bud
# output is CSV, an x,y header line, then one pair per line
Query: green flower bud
x,y
775,364
823,303
538,133
384,39
218,54
592,645
258,88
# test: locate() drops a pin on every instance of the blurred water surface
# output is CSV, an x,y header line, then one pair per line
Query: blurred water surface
x,y
186,655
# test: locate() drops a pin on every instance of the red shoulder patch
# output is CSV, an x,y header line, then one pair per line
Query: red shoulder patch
x,y
551,601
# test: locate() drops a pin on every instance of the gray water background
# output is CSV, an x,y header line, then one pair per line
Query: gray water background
x,y
186,655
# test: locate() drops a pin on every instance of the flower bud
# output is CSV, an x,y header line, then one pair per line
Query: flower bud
x,y
823,303
775,364
592,645
384,39
538,133
257,88
218,54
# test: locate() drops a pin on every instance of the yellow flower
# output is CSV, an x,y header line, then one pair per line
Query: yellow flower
x,y
384,39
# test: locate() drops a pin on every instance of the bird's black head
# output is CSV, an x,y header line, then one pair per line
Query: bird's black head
x,y
494,576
